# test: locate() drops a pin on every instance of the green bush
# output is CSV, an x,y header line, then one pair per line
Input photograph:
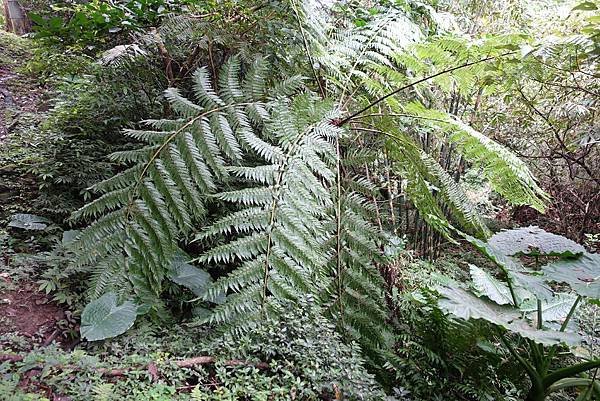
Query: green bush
x,y
435,356
85,124
306,358
93,25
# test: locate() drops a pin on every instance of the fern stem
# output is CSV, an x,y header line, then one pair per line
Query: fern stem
x,y
307,49
268,253
338,217
274,204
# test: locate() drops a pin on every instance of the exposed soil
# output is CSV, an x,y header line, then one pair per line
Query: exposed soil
x,y
24,311
30,313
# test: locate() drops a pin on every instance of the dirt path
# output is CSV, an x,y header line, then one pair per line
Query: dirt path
x,y
23,309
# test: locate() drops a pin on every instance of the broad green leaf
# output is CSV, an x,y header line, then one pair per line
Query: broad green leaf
x,y
506,263
28,221
581,274
553,310
103,318
465,305
534,241
485,284
189,276
528,284
545,337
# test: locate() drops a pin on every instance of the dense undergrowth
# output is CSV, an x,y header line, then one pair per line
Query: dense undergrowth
x,y
304,201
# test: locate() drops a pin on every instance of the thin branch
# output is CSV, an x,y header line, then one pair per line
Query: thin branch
x,y
401,115
343,121
307,49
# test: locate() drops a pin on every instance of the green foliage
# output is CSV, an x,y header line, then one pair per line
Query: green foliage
x,y
304,354
581,274
89,24
143,211
424,173
254,167
306,358
355,297
10,391
84,382
189,276
83,125
440,358
508,175
280,225
371,59
103,318
524,305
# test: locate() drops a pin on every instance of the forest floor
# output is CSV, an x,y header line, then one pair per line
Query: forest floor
x,y
41,355
24,310
22,109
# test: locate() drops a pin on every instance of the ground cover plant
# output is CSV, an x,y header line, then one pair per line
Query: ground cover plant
x,y
299,200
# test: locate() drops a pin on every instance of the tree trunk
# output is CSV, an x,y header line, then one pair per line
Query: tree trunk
x,y
15,17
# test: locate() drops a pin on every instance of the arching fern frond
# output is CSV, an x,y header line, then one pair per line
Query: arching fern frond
x,y
425,177
143,212
508,175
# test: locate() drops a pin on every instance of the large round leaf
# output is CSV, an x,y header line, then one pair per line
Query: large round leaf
x,y
103,318
581,274
534,241
465,305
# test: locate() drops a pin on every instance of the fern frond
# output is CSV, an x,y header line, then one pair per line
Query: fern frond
x,y
507,174
142,213
277,235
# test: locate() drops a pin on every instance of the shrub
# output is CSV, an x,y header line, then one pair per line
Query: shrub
x,y
306,358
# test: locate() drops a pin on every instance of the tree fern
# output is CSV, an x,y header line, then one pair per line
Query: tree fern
x,y
143,212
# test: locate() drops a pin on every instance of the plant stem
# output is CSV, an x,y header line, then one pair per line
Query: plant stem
x,y
563,327
418,81
570,371
537,392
